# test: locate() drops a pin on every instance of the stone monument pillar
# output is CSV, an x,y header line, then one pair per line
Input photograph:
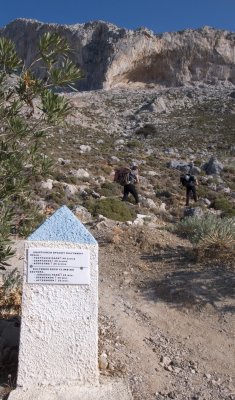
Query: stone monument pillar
x,y
58,358
59,330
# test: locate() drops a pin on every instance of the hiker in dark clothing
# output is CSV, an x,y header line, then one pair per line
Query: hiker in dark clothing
x,y
190,182
130,186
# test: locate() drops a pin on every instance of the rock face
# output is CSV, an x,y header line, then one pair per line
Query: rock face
x,y
112,56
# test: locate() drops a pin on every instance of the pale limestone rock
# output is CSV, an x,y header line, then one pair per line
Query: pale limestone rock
x,y
83,214
61,161
148,203
103,361
115,57
119,141
100,180
159,106
162,207
85,148
48,184
115,159
70,189
80,173
140,219
152,173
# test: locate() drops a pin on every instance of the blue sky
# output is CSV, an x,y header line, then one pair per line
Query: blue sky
x,y
157,15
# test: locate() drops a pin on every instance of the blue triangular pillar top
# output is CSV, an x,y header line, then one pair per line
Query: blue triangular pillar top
x,y
63,226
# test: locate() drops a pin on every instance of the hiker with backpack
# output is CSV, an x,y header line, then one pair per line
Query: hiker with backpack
x,y
128,177
190,182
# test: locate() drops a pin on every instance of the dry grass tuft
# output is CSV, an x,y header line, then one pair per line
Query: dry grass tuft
x,y
214,248
10,295
116,235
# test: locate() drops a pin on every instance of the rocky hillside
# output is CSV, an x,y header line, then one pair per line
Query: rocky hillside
x,y
166,303
160,130
112,56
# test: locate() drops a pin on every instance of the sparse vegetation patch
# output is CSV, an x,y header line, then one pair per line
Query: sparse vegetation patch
x,y
110,208
213,237
226,206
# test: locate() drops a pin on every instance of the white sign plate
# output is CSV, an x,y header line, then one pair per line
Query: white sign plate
x,y
57,266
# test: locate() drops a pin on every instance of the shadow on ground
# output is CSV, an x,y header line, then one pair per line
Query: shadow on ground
x,y
9,349
186,284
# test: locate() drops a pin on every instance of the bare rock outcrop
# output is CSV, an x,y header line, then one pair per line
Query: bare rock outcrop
x,y
116,57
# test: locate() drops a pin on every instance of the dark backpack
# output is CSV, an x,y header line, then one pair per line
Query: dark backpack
x,y
188,180
122,176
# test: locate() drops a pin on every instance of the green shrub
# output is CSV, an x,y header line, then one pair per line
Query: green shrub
x,y
134,144
31,221
198,229
146,130
59,176
56,197
71,179
22,158
110,208
229,169
203,191
223,204
214,237
220,244
110,189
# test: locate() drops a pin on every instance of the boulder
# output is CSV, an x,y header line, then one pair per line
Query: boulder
x,y
193,212
232,94
213,166
83,214
159,106
206,201
148,203
100,179
140,219
70,189
179,165
79,173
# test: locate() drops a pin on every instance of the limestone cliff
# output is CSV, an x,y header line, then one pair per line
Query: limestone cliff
x,y
112,56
